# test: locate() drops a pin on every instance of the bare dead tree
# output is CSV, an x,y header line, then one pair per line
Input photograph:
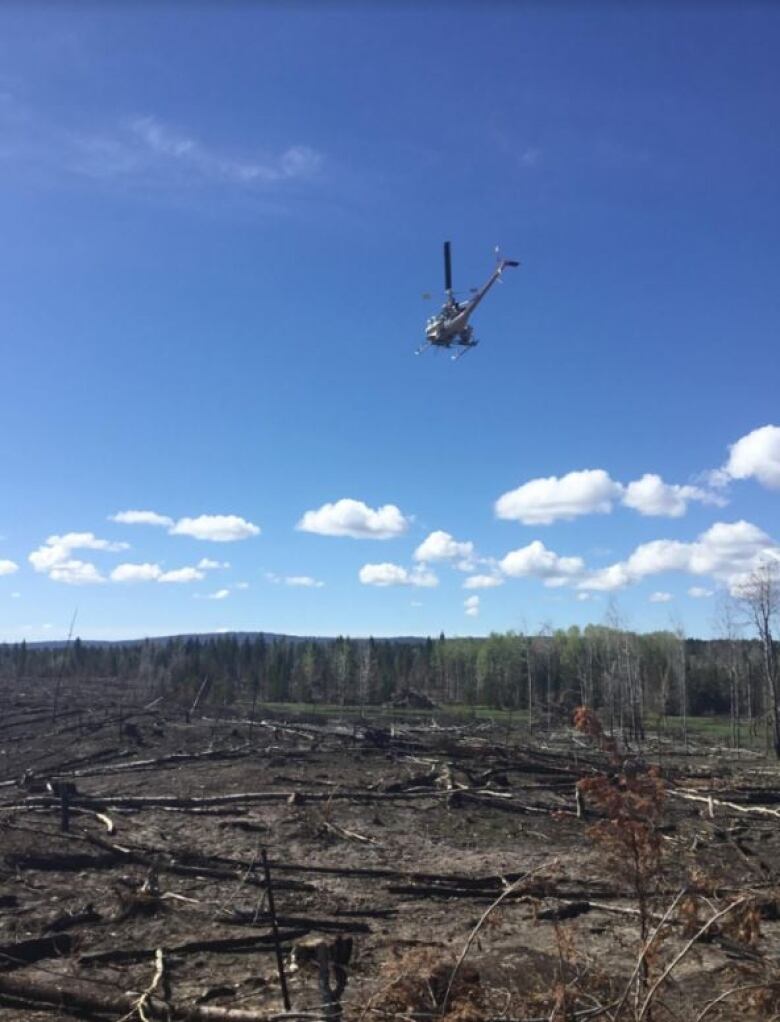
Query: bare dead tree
x,y
759,594
63,664
682,673
728,626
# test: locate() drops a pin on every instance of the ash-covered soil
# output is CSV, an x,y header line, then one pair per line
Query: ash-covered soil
x,y
395,837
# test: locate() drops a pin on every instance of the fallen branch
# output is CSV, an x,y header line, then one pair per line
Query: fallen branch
x,y
58,993
710,802
229,945
679,957
143,1000
26,952
730,993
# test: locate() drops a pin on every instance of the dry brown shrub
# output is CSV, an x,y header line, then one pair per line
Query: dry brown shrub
x,y
416,983
744,924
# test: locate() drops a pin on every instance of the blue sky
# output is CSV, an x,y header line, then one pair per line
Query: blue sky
x,y
217,226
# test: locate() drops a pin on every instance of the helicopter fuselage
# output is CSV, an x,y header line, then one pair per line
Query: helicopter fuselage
x,y
448,325
451,325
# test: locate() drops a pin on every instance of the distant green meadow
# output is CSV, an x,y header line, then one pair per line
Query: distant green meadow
x,y
701,730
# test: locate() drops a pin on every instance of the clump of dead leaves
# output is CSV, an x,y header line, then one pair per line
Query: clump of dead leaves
x,y
416,981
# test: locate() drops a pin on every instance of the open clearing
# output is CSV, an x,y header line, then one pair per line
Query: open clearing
x,y
396,837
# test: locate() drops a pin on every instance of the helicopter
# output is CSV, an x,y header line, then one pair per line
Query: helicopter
x,y
451,326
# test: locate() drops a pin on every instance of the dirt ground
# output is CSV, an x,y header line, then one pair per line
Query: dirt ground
x,y
394,837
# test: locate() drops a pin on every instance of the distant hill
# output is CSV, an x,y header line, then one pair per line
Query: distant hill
x,y
205,636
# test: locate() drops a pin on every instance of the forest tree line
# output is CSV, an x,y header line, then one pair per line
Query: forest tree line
x,y
630,678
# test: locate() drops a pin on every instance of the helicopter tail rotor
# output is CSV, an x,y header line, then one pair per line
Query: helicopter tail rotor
x,y
504,263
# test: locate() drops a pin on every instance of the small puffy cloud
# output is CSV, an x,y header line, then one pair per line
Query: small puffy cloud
x,y
756,455
727,549
660,597
347,517
296,581
650,495
8,567
181,575
584,596
136,573
699,592
303,582
543,501
394,575
220,594
440,546
471,606
141,518
242,585
54,557
658,555
616,576
536,561
75,573
57,549
16,596
483,582
207,564
215,528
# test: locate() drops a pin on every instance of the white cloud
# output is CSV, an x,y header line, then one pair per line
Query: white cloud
x,y
167,144
536,561
303,581
220,594
616,576
54,557
207,564
16,596
543,501
658,555
140,518
181,575
583,596
660,597
440,546
215,528
699,593
483,582
650,495
394,575
8,567
727,549
347,517
75,573
726,552
57,549
299,581
756,455
471,606
136,573
242,585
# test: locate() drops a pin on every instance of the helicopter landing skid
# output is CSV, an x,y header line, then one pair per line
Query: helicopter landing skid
x,y
464,349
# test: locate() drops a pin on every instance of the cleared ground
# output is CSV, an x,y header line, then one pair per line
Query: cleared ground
x,y
394,835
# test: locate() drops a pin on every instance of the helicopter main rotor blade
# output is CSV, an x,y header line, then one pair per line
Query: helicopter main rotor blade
x,y
447,267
